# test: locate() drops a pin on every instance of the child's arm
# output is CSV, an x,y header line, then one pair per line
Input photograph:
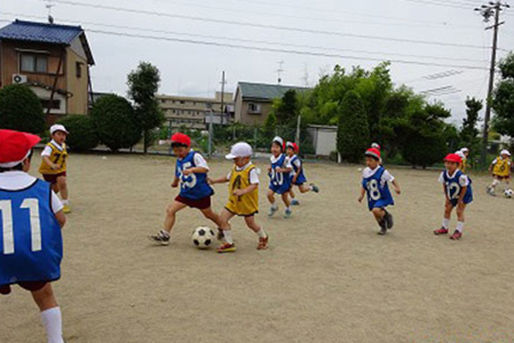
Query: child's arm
x,y
396,186
223,179
175,182
446,192
361,196
61,218
462,194
284,170
240,192
195,170
50,163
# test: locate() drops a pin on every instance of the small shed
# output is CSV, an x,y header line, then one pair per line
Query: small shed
x,y
324,138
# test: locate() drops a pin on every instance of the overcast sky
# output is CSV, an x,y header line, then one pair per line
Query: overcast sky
x,y
392,30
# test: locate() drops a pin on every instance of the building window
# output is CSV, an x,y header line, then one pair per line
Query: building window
x,y
78,69
254,108
54,105
182,102
34,63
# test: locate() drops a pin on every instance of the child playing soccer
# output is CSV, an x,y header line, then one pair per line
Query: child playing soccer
x,y
243,198
191,174
297,175
280,182
501,169
375,180
32,218
53,164
458,193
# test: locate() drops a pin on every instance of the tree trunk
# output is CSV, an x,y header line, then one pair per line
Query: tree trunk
x,y
145,142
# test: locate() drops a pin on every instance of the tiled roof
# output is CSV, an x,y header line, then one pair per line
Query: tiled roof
x,y
265,91
40,32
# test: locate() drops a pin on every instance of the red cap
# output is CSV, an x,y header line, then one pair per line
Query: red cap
x,y
373,152
15,146
453,158
296,147
181,139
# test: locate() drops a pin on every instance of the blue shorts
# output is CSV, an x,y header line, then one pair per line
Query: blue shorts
x,y
281,189
467,199
300,180
381,203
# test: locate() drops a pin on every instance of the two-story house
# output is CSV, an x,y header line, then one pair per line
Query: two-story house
x,y
52,59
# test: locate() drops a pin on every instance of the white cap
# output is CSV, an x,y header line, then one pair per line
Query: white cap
x,y
505,152
464,149
278,140
375,145
58,127
460,153
240,149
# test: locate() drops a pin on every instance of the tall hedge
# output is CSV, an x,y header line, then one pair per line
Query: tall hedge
x,y
115,122
82,130
21,109
353,129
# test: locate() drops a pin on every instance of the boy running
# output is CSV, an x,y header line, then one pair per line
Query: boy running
x,y
297,176
375,180
243,198
458,193
32,218
53,164
500,168
280,182
191,174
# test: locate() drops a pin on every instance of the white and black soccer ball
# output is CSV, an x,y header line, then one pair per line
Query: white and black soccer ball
x,y
509,193
203,237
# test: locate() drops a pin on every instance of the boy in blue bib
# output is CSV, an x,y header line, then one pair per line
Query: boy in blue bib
x,y
195,192
375,180
280,182
30,230
458,193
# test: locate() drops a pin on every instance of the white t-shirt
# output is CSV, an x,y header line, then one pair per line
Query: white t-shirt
x,y
16,180
386,175
47,151
254,173
297,163
463,179
200,161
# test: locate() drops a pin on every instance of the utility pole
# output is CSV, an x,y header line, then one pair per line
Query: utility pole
x,y
492,9
280,70
223,82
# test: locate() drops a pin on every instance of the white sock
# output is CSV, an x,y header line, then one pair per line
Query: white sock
x,y
495,183
288,208
65,202
446,223
228,236
274,206
262,233
460,226
52,322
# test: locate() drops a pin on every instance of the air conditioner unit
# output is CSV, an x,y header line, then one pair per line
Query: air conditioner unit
x,y
18,78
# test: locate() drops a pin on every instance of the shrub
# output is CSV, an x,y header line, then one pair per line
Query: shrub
x,y
21,109
82,130
115,122
353,130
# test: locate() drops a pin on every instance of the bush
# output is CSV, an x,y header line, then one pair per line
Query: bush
x,y
115,122
82,130
353,130
424,150
21,109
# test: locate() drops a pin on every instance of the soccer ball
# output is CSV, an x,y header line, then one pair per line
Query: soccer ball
x,y
203,237
508,193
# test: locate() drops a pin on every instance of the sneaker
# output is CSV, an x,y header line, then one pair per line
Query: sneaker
x,y
441,231
263,243
388,220
227,247
490,191
295,202
315,188
288,213
272,211
221,235
66,209
162,238
456,235
383,228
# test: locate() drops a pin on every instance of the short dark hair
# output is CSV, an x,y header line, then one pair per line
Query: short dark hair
x,y
18,167
178,145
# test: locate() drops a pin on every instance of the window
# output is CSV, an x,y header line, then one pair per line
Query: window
x,y
34,63
254,108
55,105
182,102
78,69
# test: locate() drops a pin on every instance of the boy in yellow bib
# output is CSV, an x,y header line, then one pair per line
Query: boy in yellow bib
x,y
53,164
500,168
243,198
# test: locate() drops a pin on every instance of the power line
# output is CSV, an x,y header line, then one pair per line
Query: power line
x,y
265,26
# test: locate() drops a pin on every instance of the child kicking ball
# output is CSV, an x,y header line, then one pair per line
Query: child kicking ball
x,y
53,164
458,193
297,175
243,197
191,175
32,218
375,180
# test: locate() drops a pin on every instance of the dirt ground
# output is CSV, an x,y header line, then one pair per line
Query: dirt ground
x,y
327,277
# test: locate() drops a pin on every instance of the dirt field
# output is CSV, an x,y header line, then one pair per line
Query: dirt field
x,y
327,277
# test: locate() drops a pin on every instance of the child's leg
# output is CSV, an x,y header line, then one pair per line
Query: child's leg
x,y
291,192
55,188
210,214
63,188
224,218
304,188
460,216
494,183
379,214
285,199
507,184
171,211
50,313
271,197
448,208
263,236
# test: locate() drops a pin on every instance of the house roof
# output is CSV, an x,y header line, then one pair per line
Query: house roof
x,y
45,33
265,91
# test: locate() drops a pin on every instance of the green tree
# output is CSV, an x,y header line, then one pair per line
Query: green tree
x,y
82,131
115,122
21,110
143,84
286,109
469,134
353,130
503,98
